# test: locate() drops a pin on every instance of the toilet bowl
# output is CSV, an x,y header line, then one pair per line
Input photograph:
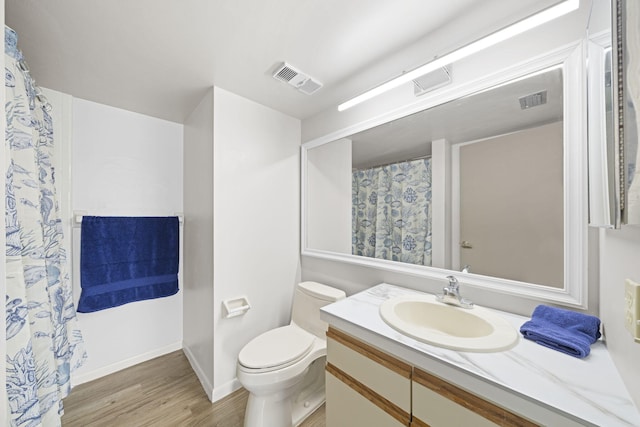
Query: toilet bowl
x,y
283,369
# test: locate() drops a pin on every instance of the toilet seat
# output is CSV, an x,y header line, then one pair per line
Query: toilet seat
x,y
276,349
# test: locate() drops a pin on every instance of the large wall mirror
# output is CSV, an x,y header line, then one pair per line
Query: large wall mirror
x,y
489,180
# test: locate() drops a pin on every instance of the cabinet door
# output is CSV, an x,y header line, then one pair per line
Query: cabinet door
x,y
437,403
348,408
378,380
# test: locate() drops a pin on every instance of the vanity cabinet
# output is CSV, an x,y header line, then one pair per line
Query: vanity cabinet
x,y
437,403
368,387
365,387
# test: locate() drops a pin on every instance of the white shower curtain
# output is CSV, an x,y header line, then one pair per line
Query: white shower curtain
x,y
43,342
391,213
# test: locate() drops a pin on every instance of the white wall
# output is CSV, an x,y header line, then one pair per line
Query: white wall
x,y
242,210
620,260
329,197
198,241
256,223
125,164
441,203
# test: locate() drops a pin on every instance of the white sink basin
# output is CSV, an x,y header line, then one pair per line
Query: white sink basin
x,y
425,319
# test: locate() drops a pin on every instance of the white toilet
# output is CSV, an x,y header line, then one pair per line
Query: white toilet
x,y
283,369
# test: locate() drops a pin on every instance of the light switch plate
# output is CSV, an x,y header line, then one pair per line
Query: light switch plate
x,y
632,308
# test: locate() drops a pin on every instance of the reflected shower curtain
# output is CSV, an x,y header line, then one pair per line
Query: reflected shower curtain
x,y
43,342
391,212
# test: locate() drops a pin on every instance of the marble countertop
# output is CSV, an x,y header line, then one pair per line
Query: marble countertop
x,y
588,391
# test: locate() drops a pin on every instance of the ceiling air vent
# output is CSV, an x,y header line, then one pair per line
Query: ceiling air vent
x,y
431,81
305,84
533,100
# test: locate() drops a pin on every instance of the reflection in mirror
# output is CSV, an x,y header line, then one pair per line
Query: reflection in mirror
x,y
511,205
477,181
391,212
626,41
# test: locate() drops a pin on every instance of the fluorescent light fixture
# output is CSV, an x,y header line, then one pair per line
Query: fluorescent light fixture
x,y
494,38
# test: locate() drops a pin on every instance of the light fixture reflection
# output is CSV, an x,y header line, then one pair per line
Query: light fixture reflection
x,y
467,50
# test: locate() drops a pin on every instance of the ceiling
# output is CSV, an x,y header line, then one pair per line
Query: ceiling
x,y
158,57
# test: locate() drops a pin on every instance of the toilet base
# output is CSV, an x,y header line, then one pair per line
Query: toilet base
x,y
312,394
301,413
268,411
289,407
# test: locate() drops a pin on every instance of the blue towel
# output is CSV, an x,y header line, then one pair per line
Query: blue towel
x,y
126,259
563,330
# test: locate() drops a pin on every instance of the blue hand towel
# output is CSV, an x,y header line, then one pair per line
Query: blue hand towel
x,y
126,259
563,330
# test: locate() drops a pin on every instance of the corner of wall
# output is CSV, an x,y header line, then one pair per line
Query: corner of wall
x,y
619,261
256,220
200,373
198,240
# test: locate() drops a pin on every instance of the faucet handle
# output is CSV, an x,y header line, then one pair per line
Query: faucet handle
x,y
451,294
453,282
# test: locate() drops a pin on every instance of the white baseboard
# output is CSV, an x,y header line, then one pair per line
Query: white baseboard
x,y
204,381
115,367
214,394
225,390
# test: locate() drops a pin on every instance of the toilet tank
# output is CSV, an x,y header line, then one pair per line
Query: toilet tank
x,y
308,298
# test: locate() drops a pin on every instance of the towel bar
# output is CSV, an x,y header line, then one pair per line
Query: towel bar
x,y
77,217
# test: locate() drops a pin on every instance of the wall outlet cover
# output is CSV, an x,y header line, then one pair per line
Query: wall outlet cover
x,y
632,308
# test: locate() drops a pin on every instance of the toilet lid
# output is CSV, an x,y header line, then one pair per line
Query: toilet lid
x,y
276,347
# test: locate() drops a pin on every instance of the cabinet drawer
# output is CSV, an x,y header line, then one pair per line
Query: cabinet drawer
x,y
389,377
436,403
347,408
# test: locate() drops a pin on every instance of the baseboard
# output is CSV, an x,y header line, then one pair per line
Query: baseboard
x,y
115,367
204,381
225,390
214,394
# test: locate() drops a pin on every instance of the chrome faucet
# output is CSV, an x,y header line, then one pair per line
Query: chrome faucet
x,y
451,294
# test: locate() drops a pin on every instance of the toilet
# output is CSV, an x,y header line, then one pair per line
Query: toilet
x,y
283,369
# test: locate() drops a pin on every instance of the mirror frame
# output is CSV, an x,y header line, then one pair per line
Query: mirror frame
x,y
573,59
604,181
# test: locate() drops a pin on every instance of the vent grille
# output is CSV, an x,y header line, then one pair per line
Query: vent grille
x,y
431,81
533,100
288,74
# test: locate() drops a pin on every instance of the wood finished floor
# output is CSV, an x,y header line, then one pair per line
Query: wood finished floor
x,y
161,392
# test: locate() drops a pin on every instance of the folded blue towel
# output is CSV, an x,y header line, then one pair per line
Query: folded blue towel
x,y
563,330
126,259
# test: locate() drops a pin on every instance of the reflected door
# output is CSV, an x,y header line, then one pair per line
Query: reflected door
x,y
511,206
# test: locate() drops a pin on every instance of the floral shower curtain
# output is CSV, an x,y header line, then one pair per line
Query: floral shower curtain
x,y
391,213
43,342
